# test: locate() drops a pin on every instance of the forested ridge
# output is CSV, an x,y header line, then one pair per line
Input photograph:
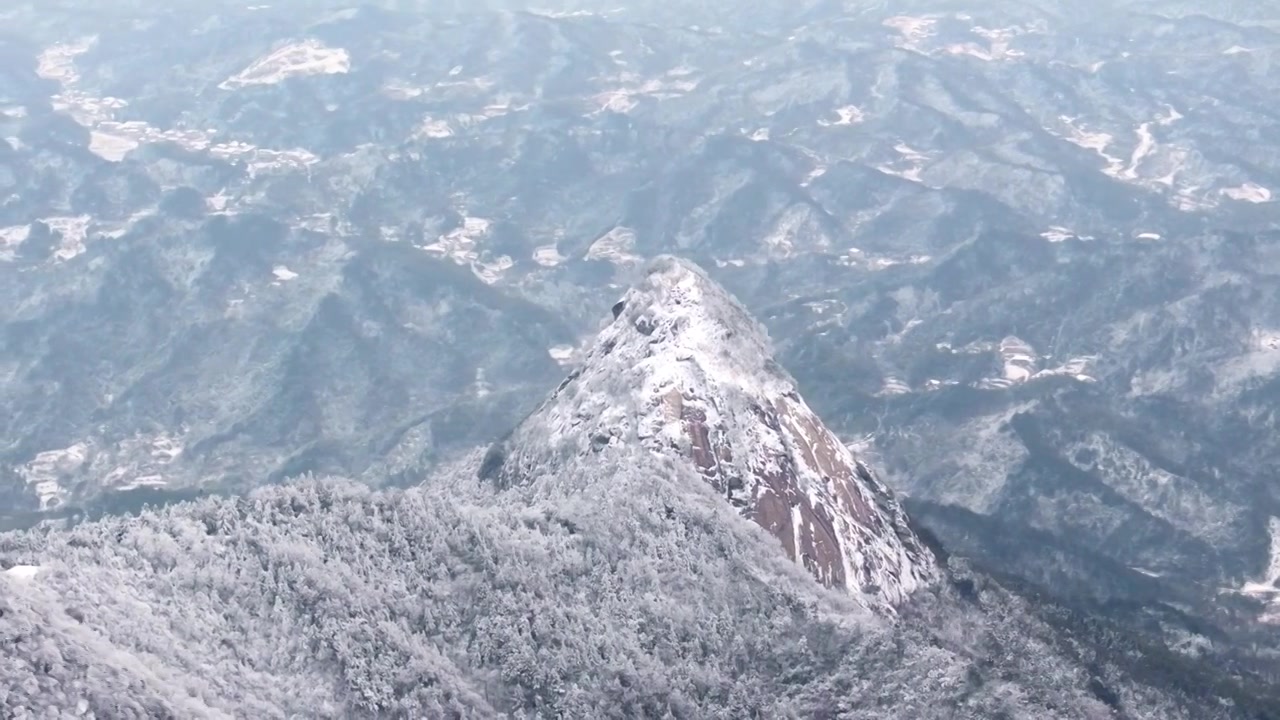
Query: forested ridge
x,y
639,595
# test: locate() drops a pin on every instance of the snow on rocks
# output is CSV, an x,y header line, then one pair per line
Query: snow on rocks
x,y
997,47
845,116
1019,359
548,256
22,573
1248,192
630,89
1095,141
74,230
433,129
11,238
912,31
1020,363
1058,233
683,372
43,472
617,246
58,63
894,386
562,354
111,147
460,244
113,140
492,271
1267,587
310,57
910,163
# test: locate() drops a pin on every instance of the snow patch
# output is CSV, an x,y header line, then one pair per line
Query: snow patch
x,y
58,63
10,238
1146,144
146,458
433,129
633,88
566,14
894,386
1058,233
142,481
817,172
22,573
218,203
74,230
401,91
617,246
562,354
43,472
912,158
1191,199
857,258
111,147
310,57
1020,363
1019,359
259,160
792,227
548,256
912,31
1266,340
492,272
616,101
847,115
1171,118
1095,141
997,47
481,386
113,140
1266,588
1248,192
460,243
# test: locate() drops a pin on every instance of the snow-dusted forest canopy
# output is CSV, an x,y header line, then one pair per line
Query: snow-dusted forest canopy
x,y
640,595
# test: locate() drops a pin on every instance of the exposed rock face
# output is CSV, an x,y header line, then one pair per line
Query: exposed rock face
x,y
684,371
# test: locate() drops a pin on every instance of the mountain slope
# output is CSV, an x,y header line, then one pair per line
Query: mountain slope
x,y
685,372
1023,253
594,575
641,597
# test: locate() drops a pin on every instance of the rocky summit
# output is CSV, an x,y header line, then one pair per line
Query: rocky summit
x,y
684,371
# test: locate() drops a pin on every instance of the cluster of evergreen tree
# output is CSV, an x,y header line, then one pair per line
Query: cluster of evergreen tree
x,y
637,595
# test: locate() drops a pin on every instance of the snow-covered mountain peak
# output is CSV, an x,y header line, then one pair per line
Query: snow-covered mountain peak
x,y
677,315
685,372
